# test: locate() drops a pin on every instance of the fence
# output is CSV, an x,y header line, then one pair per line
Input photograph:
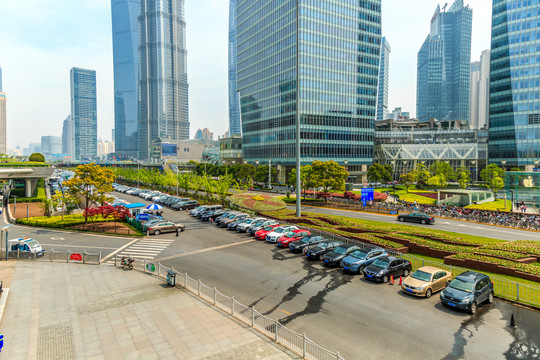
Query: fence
x,y
53,255
352,206
279,333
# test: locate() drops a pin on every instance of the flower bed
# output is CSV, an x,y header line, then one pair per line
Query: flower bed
x,y
258,202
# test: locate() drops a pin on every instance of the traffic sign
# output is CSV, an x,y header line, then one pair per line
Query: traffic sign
x,y
367,194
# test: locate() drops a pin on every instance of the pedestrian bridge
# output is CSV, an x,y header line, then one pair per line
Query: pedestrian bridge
x,y
29,174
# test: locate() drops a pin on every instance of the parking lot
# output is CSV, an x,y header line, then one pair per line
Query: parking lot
x,y
340,311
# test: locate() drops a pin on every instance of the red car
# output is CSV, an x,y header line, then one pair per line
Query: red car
x,y
261,234
291,236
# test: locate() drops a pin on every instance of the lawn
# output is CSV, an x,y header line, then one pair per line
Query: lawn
x,y
292,199
497,205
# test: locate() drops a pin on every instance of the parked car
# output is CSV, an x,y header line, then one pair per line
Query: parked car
x,y
387,266
317,252
261,234
291,236
26,244
186,205
467,291
232,218
196,211
417,218
258,225
225,216
306,241
425,281
243,227
151,222
211,214
278,232
334,257
358,260
166,226
233,224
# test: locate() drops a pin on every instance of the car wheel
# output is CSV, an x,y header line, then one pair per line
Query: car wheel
x,y
490,298
361,269
157,232
424,222
385,279
428,293
401,219
473,308
405,272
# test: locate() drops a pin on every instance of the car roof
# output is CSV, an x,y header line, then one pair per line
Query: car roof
x,y
347,245
430,269
470,276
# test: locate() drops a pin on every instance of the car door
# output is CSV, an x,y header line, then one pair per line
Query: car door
x,y
437,281
167,227
393,268
481,290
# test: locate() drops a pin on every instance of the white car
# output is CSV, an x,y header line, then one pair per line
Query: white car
x,y
278,232
246,224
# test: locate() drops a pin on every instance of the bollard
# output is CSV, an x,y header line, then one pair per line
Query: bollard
x,y
84,257
304,345
115,260
99,259
18,251
232,305
50,255
144,265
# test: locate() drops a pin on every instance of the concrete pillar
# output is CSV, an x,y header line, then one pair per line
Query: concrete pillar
x,y
30,185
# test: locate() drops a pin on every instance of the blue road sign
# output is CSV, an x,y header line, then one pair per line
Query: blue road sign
x,y
367,194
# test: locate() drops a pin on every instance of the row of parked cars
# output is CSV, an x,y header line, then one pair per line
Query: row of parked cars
x,y
466,291
170,201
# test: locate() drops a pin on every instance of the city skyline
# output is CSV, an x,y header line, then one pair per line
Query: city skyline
x,y
55,50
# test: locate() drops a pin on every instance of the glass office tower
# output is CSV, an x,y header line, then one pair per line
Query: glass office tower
x,y
163,86
235,127
444,65
84,112
384,78
125,36
514,101
334,60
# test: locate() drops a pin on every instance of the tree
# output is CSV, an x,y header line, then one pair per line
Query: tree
x,y
245,173
222,188
329,175
493,177
442,168
92,183
421,175
438,181
36,157
306,178
261,175
463,177
407,180
377,172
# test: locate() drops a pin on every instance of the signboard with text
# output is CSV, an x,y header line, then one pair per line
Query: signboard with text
x,y
367,194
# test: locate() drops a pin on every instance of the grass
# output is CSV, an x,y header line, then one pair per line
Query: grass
x,y
38,196
493,205
292,199
418,198
57,222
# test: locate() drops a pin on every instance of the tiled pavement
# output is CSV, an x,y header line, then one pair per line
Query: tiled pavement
x,y
74,311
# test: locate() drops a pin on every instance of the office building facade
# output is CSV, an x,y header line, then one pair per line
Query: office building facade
x,y
3,121
51,145
443,66
163,86
84,112
125,36
68,137
325,74
514,107
235,127
479,92
384,78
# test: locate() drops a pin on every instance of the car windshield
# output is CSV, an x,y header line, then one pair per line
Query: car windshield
x,y
381,263
279,230
32,243
248,221
268,228
461,285
289,234
305,239
421,275
231,216
359,254
340,250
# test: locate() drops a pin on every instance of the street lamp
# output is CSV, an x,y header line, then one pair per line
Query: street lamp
x,y
14,204
503,162
475,172
511,199
269,173
5,229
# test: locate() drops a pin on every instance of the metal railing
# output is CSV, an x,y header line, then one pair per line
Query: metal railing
x,y
53,255
279,333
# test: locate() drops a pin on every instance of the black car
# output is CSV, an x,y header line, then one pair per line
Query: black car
x,y
306,241
417,218
212,215
467,291
187,205
334,257
387,266
316,252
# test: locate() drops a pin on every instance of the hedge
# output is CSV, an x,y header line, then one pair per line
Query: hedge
x,y
526,268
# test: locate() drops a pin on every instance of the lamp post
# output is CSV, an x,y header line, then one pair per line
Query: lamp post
x,y
475,172
178,180
511,199
346,162
5,229
269,173
503,162
14,204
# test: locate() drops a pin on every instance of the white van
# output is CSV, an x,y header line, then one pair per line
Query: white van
x,y
26,244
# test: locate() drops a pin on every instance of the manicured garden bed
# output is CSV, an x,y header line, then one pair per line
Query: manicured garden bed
x,y
258,202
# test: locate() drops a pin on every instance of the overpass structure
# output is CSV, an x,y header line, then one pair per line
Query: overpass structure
x,y
30,175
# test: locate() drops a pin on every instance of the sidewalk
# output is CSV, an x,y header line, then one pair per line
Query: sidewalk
x,y
72,311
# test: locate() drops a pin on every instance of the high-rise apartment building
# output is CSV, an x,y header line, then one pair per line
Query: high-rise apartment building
x,y
444,65
235,127
479,92
68,137
84,112
514,99
163,86
384,78
125,36
298,60
51,145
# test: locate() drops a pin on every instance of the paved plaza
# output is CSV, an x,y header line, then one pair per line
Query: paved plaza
x,y
74,311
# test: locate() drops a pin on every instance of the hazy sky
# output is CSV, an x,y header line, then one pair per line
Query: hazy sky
x,y
40,41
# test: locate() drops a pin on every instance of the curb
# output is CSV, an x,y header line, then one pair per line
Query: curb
x,y
3,301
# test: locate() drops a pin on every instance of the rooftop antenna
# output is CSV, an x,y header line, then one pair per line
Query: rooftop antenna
x,y
444,7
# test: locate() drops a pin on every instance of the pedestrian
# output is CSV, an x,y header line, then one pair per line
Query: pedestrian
x,y
177,231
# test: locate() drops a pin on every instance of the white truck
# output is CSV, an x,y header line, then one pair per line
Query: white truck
x,y
26,244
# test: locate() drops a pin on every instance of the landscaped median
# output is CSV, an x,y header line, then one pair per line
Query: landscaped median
x,y
257,202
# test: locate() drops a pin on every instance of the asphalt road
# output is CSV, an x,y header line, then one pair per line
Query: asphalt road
x,y
345,312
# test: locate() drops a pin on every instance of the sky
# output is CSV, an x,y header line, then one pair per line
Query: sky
x,y
42,40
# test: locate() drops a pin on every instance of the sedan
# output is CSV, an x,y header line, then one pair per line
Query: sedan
x,y
306,241
234,224
425,281
243,227
417,218
261,234
258,225
334,257
278,232
291,236
166,226
358,260
387,266
322,248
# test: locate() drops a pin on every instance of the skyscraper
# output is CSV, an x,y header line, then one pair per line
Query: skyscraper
x,y
298,60
384,78
1,79
163,87
235,127
444,65
68,137
51,145
125,36
84,112
479,92
514,99
3,119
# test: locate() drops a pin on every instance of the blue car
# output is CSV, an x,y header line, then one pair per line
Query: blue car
x,y
359,259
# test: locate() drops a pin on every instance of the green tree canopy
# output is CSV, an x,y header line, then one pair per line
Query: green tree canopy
x,y
493,177
306,177
377,172
407,180
463,176
421,175
329,175
36,157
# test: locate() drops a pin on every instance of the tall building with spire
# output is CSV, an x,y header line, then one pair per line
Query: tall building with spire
x,y
235,126
479,93
163,86
384,78
444,65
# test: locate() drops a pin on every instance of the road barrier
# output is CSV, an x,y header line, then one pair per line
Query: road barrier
x,y
279,333
53,255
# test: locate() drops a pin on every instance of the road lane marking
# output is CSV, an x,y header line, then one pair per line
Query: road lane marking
x,y
203,250
120,249
286,312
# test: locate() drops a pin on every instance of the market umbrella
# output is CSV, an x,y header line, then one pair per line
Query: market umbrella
x,y
154,207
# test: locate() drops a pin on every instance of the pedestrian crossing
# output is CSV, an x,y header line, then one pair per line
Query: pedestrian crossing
x,y
145,249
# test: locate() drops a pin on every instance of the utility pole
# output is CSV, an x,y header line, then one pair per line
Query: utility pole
x,y
298,162
269,173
